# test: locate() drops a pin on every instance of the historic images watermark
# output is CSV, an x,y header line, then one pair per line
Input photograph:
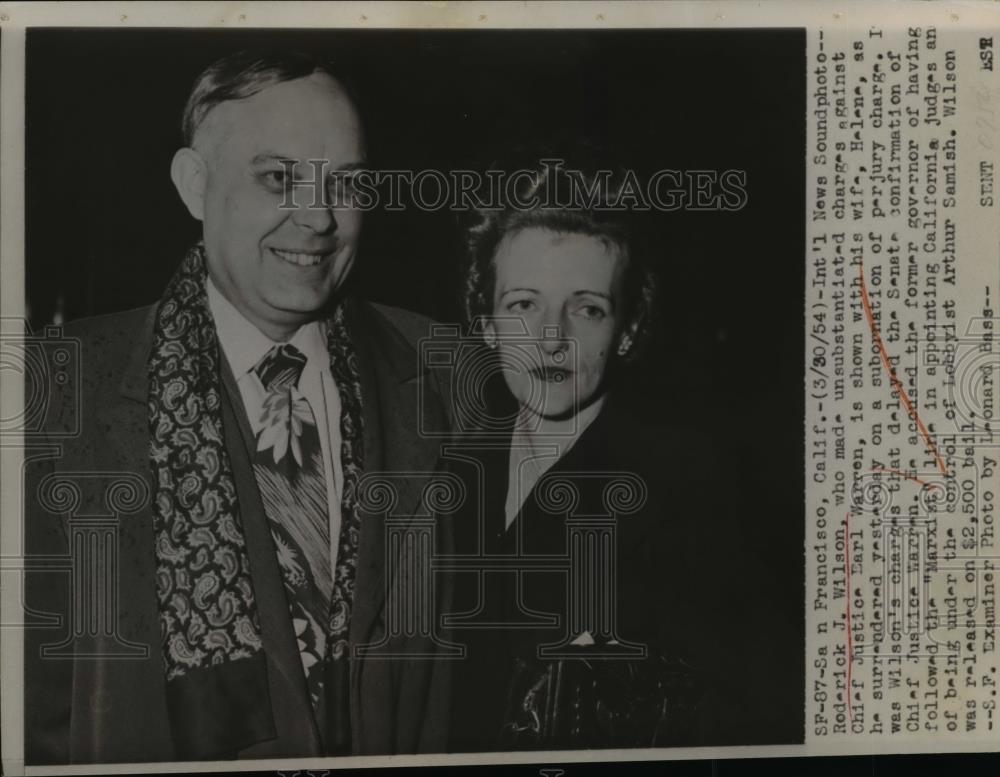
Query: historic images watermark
x,y
464,190
589,566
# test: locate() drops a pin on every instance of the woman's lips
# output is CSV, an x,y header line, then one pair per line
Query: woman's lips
x,y
551,374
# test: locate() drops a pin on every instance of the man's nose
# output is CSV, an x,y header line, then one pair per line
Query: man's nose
x,y
318,219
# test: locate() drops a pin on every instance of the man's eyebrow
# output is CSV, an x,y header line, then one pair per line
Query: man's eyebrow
x,y
283,159
351,167
268,156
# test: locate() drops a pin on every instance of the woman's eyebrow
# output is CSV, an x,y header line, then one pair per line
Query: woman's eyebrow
x,y
518,288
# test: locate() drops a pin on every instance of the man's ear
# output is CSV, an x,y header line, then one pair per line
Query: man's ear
x,y
190,174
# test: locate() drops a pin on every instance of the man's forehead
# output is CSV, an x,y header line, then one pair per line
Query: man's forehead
x,y
308,117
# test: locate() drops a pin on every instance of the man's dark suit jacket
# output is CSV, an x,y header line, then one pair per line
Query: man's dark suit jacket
x,y
111,709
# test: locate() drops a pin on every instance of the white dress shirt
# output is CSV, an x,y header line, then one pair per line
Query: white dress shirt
x,y
244,345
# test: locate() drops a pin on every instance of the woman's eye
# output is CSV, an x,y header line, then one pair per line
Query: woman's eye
x,y
593,311
521,306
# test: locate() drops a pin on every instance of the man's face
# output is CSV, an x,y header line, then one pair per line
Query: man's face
x,y
279,266
555,317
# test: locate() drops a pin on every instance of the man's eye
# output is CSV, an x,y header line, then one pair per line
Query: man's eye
x,y
275,179
340,189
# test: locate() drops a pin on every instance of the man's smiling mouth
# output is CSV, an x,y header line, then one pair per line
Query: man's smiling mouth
x,y
299,258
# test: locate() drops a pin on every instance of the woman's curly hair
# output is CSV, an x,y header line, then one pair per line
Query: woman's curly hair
x,y
602,216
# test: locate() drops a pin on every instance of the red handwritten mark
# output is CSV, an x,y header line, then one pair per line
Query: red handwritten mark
x,y
890,370
850,641
900,472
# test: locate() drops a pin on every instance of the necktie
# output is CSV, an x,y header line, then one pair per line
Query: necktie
x,y
288,466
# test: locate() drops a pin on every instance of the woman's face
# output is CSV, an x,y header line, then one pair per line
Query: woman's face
x,y
556,315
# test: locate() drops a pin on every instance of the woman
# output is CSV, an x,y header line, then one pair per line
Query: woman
x,y
578,630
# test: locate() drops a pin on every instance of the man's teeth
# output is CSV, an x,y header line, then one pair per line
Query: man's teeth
x,y
303,260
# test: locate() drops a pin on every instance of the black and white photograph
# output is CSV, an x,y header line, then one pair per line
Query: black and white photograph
x,y
568,387
412,391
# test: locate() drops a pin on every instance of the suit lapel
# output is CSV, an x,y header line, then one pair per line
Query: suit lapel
x,y
394,448
127,413
369,578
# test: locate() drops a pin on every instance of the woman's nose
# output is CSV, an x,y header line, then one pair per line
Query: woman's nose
x,y
553,334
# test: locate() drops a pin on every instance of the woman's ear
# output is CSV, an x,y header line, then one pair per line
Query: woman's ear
x,y
189,174
627,339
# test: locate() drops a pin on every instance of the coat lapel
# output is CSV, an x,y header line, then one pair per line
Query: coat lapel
x,y
395,448
127,413
131,693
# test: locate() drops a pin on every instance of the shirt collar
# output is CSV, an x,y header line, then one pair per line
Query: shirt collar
x,y
244,344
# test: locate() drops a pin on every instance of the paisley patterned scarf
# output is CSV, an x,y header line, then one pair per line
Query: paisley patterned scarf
x,y
217,693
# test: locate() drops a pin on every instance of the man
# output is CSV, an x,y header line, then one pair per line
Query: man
x,y
252,399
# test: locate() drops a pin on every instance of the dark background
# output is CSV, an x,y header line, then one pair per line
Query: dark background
x,y
105,229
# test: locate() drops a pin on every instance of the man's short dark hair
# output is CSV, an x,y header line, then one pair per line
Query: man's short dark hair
x,y
242,75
